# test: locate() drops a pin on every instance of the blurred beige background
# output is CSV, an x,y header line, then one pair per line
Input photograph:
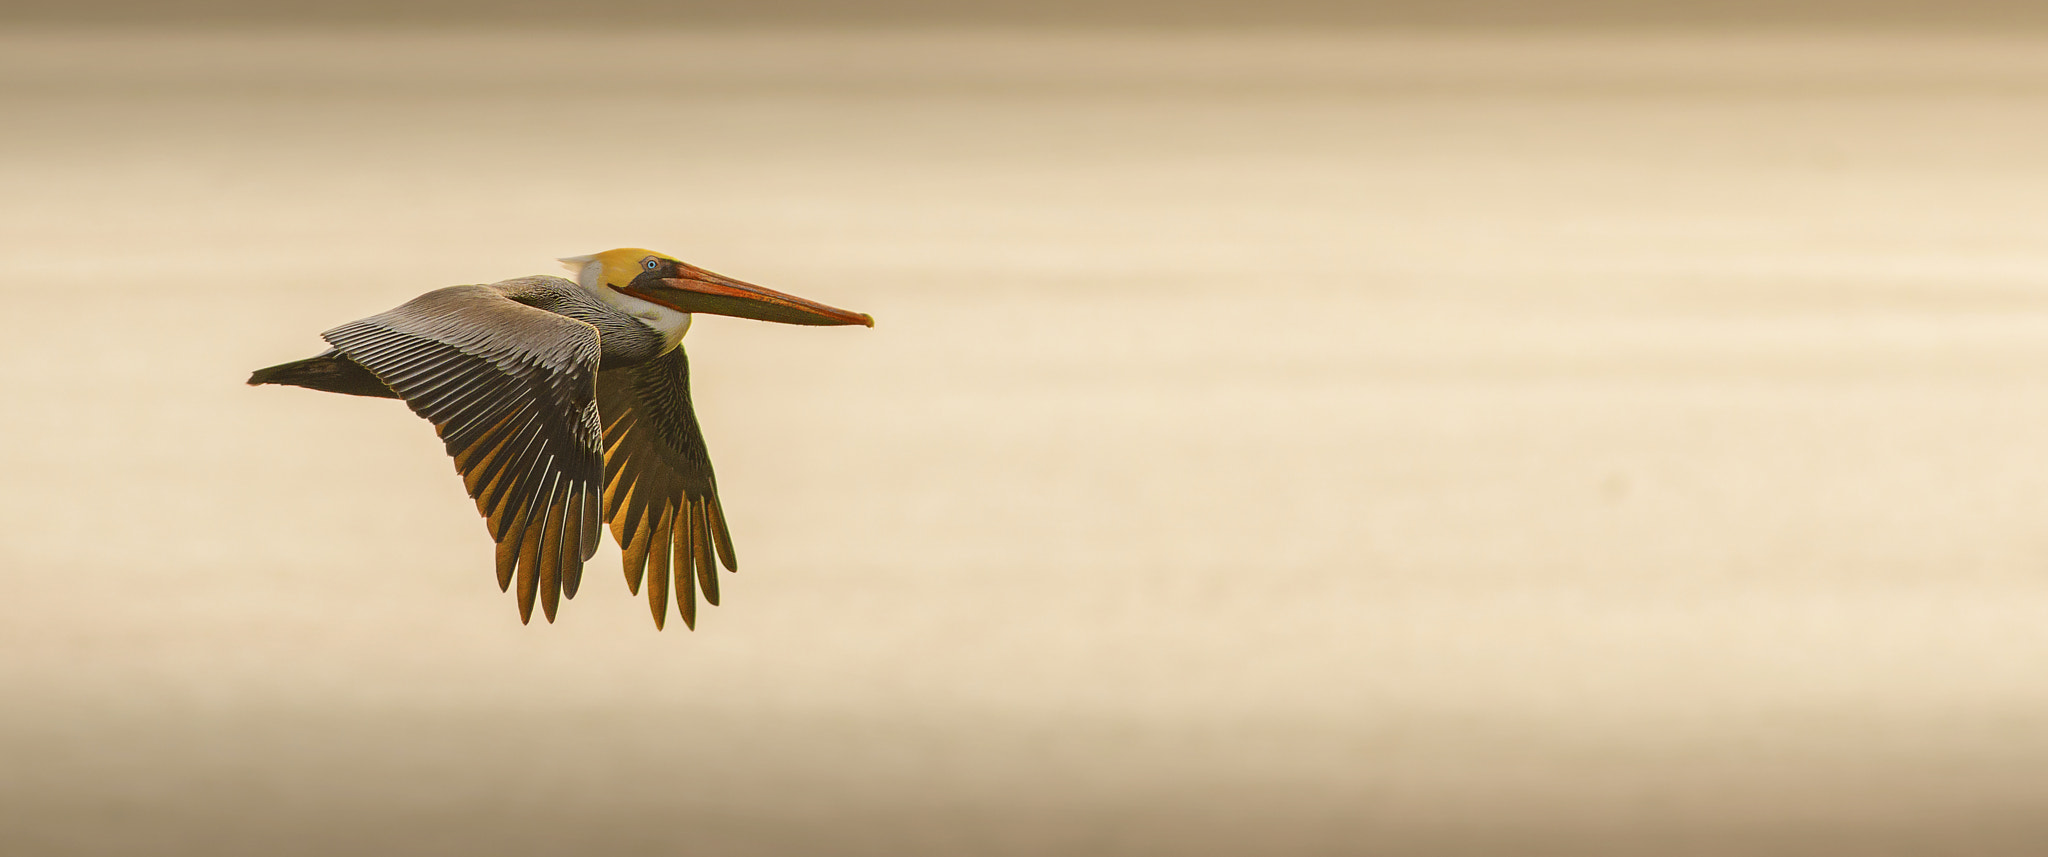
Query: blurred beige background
x,y
1442,441
1264,14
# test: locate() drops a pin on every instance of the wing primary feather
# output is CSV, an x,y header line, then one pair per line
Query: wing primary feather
x,y
523,467
616,434
495,495
485,448
615,454
482,464
551,551
616,496
593,521
534,457
635,554
508,559
636,507
573,532
615,475
700,550
657,569
686,590
529,559
724,537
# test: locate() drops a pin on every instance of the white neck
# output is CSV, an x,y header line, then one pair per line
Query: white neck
x,y
670,323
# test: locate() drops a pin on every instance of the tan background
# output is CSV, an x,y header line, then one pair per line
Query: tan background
x,y
1343,442
1263,14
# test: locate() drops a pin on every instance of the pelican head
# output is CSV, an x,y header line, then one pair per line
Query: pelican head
x,y
639,281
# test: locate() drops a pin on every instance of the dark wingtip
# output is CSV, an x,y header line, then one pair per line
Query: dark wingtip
x,y
572,576
508,561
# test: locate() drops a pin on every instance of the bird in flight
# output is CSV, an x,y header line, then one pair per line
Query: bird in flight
x,y
566,403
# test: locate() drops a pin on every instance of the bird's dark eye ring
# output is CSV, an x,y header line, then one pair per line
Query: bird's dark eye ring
x,y
651,263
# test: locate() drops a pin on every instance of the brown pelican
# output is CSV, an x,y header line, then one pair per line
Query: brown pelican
x,y
552,394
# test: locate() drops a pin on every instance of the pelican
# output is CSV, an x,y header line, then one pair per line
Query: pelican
x,y
566,403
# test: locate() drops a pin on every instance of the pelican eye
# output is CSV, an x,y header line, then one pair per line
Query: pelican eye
x,y
651,263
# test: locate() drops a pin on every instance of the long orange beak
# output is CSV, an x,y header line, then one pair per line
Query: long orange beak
x,y
698,290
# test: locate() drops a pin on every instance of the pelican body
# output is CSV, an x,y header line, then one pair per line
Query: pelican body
x,y
566,404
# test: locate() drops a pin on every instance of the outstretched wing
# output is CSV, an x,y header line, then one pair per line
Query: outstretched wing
x,y
511,390
659,494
